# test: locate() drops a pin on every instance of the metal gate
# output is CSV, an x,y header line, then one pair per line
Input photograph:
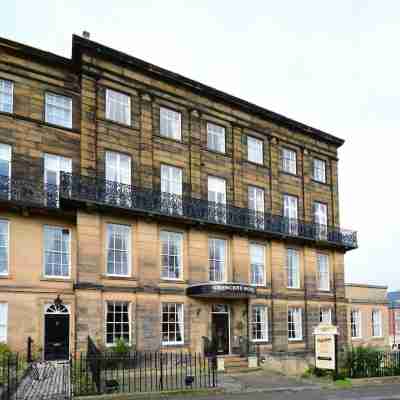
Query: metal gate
x,y
44,381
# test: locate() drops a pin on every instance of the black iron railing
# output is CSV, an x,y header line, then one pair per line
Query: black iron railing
x,y
114,194
102,372
29,192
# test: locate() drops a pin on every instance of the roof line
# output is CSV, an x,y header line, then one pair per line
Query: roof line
x,y
35,53
79,43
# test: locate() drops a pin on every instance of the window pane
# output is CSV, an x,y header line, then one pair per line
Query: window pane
x,y
217,251
118,249
170,123
216,137
6,96
172,323
171,245
118,107
59,110
118,325
255,150
56,241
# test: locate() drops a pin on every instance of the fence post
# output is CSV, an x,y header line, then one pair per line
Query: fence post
x,y
161,372
29,351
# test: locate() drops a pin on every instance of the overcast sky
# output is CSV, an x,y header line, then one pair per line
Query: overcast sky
x,y
334,65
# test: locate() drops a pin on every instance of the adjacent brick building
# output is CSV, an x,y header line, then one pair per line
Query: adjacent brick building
x,y
139,204
368,315
394,319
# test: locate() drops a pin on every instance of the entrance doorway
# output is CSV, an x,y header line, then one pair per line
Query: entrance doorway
x,y
56,332
220,328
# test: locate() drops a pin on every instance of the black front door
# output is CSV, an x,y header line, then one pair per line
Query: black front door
x,y
220,332
56,336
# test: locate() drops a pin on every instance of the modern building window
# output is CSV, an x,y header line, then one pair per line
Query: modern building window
x,y
355,321
290,212
295,324
319,170
58,110
255,152
117,322
376,323
170,123
171,188
257,264
256,206
118,107
53,167
5,170
172,326
3,322
216,137
321,219
289,161
118,178
56,252
217,259
323,276
259,323
118,250
217,199
293,269
4,246
171,255
325,315
6,96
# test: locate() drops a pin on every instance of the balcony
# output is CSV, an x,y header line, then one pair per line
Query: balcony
x,y
79,191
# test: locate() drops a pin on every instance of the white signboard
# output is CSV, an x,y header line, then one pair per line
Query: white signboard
x,y
325,346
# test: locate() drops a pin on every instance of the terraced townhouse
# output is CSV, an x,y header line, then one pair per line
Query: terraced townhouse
x,y
141,205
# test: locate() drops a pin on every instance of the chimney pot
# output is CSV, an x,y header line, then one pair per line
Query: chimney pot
x,y
86,34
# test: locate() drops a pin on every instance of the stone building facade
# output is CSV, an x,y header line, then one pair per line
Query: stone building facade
x,y
368,315
394,319
139,204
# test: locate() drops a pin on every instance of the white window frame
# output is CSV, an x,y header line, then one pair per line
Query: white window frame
x,y
180,317
263,322
321,219
323,276
7,247
222,261
255,150
171,188
7,150
256,204
319,170
256,263
325,315
128,229
122,176
107,323
4,324
356,323
48,105
216,137
376,324
117,101
217,198
291,213
295,318
293,268
168,235
170,118
289,160
62,164
52,227
4,94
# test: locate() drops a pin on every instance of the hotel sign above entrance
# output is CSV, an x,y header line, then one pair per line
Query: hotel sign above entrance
x,y
222,290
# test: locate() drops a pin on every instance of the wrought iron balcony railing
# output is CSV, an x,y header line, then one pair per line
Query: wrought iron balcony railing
x,y
107,193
